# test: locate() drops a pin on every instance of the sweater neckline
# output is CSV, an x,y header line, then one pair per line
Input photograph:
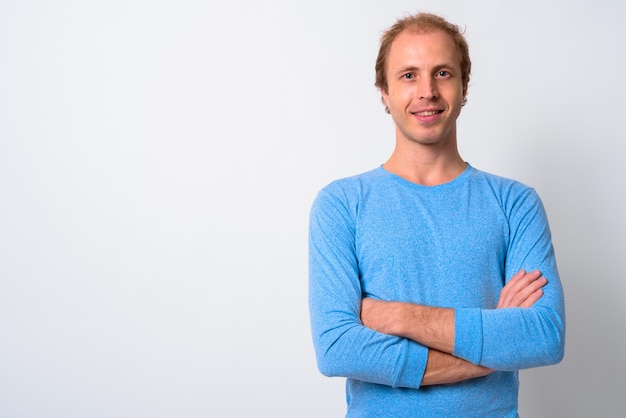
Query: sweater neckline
x,y
458,180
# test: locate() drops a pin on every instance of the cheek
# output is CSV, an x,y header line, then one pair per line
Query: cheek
x,y
399,96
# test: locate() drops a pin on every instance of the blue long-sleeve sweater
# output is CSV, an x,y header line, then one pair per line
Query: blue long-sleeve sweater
x,y
453,245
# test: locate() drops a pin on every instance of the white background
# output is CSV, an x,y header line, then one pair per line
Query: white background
x,y
157,164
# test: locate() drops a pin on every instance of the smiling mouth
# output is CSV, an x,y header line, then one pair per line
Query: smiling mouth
x,y
427,113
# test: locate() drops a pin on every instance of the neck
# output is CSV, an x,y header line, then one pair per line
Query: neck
x,y
428,165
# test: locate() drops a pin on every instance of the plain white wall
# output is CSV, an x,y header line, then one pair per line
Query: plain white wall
x,y
157,164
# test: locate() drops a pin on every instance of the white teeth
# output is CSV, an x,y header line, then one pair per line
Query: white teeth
x,y
427,113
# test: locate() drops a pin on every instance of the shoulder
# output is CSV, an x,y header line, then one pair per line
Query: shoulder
x,y
351,188
343,198
512,195
503,186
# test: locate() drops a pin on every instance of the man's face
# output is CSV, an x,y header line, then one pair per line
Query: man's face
x,y
425,87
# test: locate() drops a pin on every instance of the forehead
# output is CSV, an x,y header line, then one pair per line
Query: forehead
x,y
422,49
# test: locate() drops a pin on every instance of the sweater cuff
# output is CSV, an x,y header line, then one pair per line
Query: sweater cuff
x,y
412,367
468,334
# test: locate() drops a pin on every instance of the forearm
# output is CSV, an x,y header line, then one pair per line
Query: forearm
x,y
522,332
506,339
503,339
427,325
512,339
430,326
443,368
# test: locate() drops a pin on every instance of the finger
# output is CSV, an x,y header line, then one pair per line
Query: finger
x,y
516,278
521,280
509,289
528,295
520,287
523,295
534,297
504,293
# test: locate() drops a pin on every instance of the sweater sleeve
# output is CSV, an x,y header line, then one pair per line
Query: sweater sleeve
x,y
343,346
519,338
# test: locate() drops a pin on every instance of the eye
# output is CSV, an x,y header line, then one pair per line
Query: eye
x,y
408,76
443,73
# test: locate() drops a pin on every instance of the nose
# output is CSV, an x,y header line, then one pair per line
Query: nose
x,y
427,88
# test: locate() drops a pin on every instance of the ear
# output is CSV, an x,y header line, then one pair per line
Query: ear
x,y
384,97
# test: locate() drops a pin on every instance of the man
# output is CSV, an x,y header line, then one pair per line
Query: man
x,y
431,282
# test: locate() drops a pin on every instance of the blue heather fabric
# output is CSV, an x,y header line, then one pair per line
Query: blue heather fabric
x,y
452,245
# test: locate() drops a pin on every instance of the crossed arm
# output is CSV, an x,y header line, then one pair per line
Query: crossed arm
x,y
434,327
408,346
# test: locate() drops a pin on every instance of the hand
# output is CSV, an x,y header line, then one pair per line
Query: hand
x,y
523,290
